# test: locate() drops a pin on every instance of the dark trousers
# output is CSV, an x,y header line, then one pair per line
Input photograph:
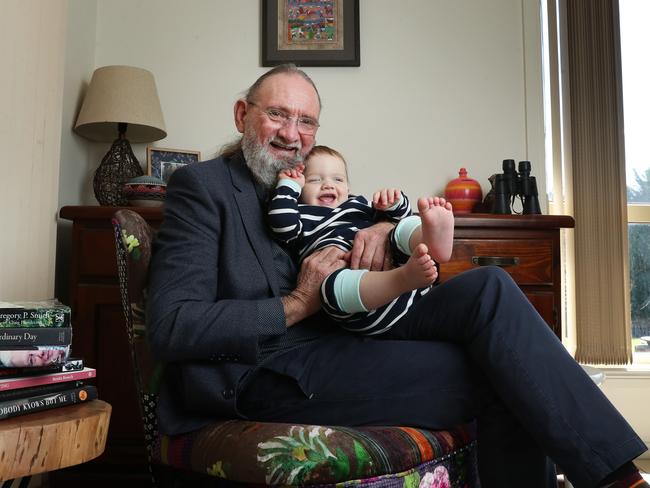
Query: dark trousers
x,y
473,348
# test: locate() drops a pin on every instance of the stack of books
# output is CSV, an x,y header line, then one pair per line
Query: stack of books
x,y
36,371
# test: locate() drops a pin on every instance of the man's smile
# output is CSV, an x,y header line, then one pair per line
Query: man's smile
x,y
288,148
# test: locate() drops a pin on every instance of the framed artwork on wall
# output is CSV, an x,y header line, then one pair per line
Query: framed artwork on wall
x,y
162,162
310,33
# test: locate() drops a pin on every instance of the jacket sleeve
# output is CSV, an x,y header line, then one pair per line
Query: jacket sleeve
x,y
192,315
283,214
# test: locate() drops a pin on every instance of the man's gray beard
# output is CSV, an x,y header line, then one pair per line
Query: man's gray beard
x,y
261,162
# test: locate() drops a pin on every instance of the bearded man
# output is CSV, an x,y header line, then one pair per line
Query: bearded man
x,y
237,325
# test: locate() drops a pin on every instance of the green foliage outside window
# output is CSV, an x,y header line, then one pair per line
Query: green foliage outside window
x,y
639,239
642,193
639,244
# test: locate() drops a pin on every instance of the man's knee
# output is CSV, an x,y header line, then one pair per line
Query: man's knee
x,y
492,273
487,278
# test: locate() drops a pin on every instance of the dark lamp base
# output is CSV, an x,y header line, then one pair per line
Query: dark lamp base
x,y
118,166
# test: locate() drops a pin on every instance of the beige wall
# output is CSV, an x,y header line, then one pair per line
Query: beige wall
x,y
441,85
32,47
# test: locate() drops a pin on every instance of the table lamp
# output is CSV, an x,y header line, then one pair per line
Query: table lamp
x,y
119,97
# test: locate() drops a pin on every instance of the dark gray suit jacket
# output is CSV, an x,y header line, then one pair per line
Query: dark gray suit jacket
x,y
213,291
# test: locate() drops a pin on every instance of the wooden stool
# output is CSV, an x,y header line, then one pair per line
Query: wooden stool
x,y
52,439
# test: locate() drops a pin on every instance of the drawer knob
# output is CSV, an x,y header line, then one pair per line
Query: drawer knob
x,y
502,261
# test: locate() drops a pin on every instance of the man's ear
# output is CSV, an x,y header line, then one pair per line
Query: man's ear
x,y
240,113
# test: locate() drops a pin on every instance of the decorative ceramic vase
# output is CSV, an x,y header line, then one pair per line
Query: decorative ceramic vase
x,y
145,191
463,193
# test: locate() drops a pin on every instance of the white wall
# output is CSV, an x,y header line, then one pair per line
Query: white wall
x,y
441,85
77,163
32,46
79,159
629,391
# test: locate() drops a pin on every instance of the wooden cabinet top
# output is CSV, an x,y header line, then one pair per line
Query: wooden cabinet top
x,y
488,221
493,221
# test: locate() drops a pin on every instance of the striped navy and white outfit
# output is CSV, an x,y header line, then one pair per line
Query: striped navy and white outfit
x,y
308,228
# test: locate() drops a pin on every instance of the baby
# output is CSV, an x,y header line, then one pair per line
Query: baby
x,y
367,302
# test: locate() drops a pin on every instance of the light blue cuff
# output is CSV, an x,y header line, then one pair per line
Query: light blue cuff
x,y
346,290
290,183
396,204
403,232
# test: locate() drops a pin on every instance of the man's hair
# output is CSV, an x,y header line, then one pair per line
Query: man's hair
x,y
283,69
320,150
232,148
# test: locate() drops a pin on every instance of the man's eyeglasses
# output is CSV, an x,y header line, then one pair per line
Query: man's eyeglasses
x,y
306,125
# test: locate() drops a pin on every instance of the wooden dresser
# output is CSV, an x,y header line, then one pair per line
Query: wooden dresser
x,y
99,337
528,247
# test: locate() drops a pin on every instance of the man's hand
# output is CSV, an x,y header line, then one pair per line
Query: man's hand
x,y
370,249
295,174
386,198
305,299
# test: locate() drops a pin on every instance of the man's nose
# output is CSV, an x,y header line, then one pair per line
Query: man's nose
x,y
289,131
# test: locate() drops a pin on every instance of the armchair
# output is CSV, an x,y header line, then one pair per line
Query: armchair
x,y
236,452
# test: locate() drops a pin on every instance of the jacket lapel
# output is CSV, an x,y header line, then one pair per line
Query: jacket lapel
x,y
253,219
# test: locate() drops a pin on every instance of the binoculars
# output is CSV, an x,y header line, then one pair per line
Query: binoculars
x,y
510,185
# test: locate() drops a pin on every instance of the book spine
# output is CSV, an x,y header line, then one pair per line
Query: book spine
x,y
24,406
28,371
39,390
45,379
35,336
33,356
71,364
35,317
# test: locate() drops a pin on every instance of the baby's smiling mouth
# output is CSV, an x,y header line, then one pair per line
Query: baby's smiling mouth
x,y
327,198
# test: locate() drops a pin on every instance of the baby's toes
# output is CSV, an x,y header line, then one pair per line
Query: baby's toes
x,y
420,251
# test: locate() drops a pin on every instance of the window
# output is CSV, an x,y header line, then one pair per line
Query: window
x,y
635,45
590,125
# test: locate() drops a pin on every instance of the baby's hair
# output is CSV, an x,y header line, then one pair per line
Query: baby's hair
x,y
316,150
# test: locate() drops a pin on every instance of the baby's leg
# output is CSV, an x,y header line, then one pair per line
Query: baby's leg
x,y
377,288
437,229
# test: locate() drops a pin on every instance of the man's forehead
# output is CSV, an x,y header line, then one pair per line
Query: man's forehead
x,y
288,88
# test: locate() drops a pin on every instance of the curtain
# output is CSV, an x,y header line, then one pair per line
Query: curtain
x,y
598,182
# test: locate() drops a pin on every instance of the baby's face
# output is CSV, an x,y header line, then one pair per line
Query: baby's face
x,y
326,181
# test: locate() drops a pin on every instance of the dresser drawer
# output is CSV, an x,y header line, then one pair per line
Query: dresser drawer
x,y
529,261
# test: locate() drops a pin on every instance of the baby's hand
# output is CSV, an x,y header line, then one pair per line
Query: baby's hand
x,y
294,174
386,198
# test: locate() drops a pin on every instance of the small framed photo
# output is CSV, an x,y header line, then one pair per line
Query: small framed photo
x,y
314,33
162,162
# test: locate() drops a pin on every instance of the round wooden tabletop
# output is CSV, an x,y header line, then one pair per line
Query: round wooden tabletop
x,y
52,439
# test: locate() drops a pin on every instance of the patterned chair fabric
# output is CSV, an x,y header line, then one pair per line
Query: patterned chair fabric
x,y
272,454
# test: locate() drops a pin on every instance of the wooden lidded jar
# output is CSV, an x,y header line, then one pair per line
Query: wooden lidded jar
x,y
463,193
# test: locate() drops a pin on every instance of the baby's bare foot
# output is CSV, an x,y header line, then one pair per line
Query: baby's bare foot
x,y
437,227
419,270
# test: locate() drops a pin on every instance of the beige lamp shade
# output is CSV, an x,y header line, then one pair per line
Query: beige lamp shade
x,y
121,94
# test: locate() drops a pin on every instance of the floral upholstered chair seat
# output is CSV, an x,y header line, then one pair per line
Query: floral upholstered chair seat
x,y
248,453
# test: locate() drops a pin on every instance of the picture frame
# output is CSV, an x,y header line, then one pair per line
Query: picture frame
x,y
162,161
334,42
